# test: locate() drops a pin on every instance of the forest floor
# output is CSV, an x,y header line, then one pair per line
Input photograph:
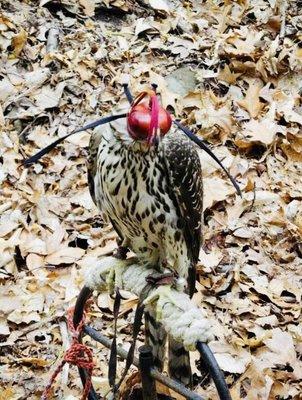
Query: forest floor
x,y
231,70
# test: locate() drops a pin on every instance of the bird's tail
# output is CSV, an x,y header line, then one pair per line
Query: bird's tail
x,y
179,360
179,363
156,337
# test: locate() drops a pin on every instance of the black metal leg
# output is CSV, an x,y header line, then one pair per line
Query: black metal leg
x,y
79,307
128,93
214,370
165,380
146,363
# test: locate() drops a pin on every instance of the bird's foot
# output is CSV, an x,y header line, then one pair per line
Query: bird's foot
x,y
106,274
114,278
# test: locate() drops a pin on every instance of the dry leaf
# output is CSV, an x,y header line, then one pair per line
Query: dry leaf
x,y
210,260
159,5
48,98
143,25
2,122
33,361
209,116
67,255
6,89
251,101
263,131
4,328
19,41
7,393
216,189
89,6
227,75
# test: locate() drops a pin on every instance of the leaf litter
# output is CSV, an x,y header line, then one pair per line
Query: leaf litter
x,y
231,71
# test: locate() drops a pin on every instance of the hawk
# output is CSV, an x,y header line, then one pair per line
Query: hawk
x,y
146,179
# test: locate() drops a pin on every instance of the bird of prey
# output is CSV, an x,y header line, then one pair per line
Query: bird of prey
x,y
145,176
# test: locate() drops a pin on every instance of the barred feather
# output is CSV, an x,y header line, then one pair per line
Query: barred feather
x,y
179,363
156,337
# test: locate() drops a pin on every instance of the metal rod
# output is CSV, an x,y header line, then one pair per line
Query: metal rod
x,y
204,147
170,383
146,363
128,93
33,159
79,307
214,369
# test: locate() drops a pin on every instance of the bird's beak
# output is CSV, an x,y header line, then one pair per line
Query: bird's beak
x,y
155,137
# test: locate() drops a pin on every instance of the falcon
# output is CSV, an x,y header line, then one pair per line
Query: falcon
x,y
146,179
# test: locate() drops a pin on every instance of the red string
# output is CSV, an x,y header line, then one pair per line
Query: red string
x,y
78,354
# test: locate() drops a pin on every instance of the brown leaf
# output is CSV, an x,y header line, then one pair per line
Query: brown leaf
x,y
66,255
7,393
33,361
19,41
88,6
251,102
227,75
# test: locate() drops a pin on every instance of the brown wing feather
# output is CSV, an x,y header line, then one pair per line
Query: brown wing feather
x,y
94,143
185,180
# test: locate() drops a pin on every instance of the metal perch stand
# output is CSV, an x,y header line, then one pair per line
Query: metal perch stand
x,y
148,372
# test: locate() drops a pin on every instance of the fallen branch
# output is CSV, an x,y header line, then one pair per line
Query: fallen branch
x,y
66,345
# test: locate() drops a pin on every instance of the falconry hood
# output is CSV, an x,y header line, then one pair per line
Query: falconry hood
x,y
147,120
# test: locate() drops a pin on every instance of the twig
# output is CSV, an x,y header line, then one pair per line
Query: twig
x,y
52,39
66,345
283,8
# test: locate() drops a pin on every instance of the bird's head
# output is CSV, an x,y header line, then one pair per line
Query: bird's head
x,y
147,120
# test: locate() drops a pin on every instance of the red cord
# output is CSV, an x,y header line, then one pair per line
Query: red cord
x,y
78,354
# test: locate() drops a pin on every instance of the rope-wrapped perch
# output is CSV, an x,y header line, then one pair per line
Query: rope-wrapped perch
x,y
181,318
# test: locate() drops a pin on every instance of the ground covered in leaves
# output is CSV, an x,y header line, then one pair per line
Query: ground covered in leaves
x,y
229,69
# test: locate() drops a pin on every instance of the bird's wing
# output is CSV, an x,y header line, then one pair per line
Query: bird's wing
x,y
185,185
92,160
